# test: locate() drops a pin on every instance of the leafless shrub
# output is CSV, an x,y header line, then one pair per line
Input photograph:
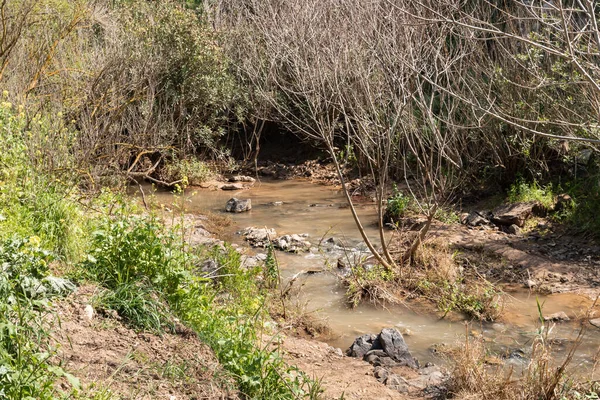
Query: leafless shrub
x,y
356,74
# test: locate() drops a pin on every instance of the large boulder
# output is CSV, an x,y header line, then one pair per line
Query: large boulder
x,y
235,205
386,349
396,348
362,345
513,214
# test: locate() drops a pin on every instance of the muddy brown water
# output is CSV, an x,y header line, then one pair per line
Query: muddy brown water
x,y
322,213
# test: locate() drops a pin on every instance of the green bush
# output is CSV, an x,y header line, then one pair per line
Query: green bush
x,y
190,171
32,202
139,305
397,205
127,249
27,368
233,329
522,191
145,267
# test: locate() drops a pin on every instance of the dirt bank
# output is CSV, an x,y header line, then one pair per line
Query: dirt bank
x,y
107,356
341,376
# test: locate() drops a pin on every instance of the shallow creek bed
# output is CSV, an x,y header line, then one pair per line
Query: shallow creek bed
x,y
320,213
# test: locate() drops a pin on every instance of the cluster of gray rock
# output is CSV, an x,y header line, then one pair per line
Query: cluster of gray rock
x,y
387,351
264,237
511,218
238,182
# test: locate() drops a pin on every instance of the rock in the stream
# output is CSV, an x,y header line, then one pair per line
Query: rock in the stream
x,y
258,237
362,345
557,317
242,178
394,345
235,205
513,214
292,243
386,349
232,186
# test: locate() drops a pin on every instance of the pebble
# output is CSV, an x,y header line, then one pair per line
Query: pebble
x,y
530,283
88,312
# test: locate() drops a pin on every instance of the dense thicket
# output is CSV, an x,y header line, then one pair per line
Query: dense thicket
x,y
452,88
486,89
137,82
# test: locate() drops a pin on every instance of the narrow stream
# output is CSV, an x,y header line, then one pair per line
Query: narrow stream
x,y
321,212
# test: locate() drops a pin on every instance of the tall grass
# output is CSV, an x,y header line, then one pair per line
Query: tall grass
x,y
544,376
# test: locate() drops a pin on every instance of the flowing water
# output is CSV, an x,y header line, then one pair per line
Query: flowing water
x,y
321,212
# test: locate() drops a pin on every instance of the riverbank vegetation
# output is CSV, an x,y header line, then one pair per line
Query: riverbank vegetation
x,y
54,236
452,102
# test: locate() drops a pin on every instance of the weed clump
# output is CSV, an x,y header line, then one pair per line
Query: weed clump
x,y
542,377
521,191
26,324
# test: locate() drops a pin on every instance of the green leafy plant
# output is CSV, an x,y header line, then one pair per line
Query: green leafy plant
x,y
190,171
521,191
27,370
397,205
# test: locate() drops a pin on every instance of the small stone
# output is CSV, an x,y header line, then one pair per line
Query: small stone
x,y
396,382
381,374
530,283
335,350
113,314
595,322
557,317
88,312
513,230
